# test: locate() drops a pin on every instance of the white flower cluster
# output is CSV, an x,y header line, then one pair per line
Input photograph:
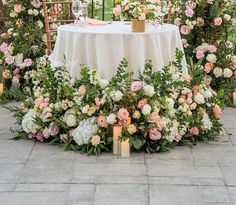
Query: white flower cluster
x,y
85,131
28,122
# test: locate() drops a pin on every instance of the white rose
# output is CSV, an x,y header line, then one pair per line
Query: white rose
x,y
207,94
10,31
149,90
40,24
85,109
30,12
13,14
71,120
227,17
170,103
211,57
103,83
218,72
111,119
233,59
228,73
233,21
199,98
116,95
36,12
146,109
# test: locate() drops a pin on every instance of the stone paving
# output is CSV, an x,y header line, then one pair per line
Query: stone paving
x,y
33,173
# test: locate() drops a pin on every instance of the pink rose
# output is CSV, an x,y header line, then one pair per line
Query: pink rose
x,y
102,121
16,71
194,131
218,21
181,101
186,77
200,54
196,89
136,86
4,2
193,106
18,8
212,48
117,10
36,3
217,111
208,80
186,91
177,22
190,4
4,47
39,136
154,117
154,134
43,61
6,74
127,7
185,30
9,60
189,13
82,90
142,103
208,67
145,10
123,114
189,101
28,62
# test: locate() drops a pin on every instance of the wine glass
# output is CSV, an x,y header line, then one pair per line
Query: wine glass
x,y
76,4
83,12
164,8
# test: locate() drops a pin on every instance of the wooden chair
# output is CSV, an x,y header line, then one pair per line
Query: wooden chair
x,y
53,14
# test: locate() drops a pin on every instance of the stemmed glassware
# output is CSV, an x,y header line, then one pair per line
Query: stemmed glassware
x,y
76,9
83,12
163,12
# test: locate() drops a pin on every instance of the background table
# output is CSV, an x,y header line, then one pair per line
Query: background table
x,y
103,47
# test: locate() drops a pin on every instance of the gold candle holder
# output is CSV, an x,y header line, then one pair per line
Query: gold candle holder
x,y
125,148
1,88
117,131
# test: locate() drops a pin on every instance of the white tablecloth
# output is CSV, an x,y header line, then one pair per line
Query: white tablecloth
x,y
103,47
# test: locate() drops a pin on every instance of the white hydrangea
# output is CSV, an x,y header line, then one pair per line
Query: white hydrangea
x,y
171,127
28,122
207,94
206,122
85,131
70,118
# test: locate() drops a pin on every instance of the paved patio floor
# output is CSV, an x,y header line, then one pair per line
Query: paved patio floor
x,y
33,173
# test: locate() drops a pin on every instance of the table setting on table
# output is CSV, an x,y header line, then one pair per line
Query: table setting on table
x,y
103,44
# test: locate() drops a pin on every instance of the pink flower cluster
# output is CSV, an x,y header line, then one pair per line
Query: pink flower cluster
x,y
41,103
203,49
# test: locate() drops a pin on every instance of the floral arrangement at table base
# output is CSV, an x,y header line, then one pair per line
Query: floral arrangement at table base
x,y
156,111
205,27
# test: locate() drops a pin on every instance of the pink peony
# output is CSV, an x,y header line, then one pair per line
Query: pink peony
x,y
18,8
189,13
9,60
154,134
123,114
117,10
177,22
142,103
194,131
102,121
136,86
185,30
28,62
212,48
200,54
4,47
218,21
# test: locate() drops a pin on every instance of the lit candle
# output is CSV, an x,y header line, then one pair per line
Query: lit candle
x,y
1,88
117,131
234,97
125,148
128,121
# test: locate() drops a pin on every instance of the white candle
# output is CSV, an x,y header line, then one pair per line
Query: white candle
x,y
125,148
234,97
117,130
1,88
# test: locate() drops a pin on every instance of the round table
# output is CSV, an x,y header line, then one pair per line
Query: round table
x,y
103,47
